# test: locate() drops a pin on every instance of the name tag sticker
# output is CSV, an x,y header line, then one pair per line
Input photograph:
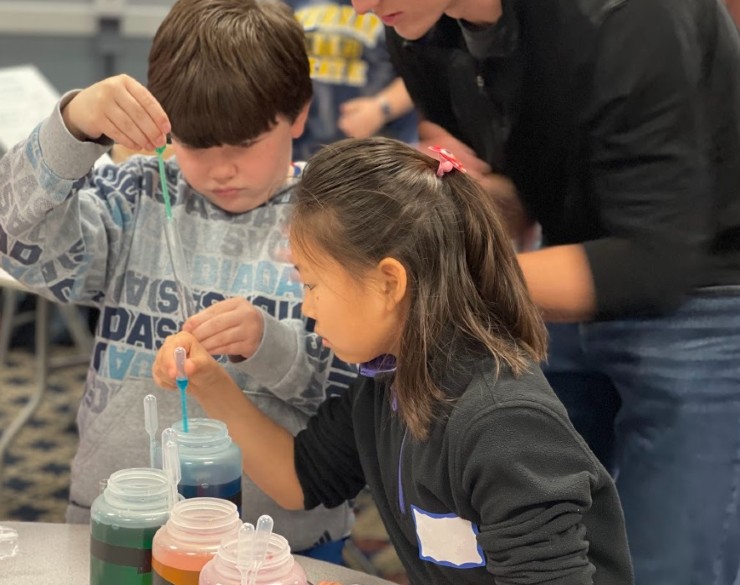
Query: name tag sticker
x,y
447,539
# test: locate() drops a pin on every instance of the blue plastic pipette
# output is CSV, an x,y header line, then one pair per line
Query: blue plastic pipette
x,y
182,383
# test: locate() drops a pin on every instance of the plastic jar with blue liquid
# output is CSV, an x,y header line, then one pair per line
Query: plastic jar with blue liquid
x,y
210,462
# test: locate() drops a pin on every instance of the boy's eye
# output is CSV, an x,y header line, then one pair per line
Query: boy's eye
x,y
308,286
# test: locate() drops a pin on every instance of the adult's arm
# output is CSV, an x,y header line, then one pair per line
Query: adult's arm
x,y
647,173
363,117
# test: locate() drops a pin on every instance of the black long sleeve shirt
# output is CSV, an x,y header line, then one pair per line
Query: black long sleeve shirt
x,y
504,486
619,122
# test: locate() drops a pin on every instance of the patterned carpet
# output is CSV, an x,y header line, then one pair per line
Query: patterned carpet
x,y
34,480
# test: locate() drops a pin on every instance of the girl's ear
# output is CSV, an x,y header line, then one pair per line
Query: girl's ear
x,y
393,281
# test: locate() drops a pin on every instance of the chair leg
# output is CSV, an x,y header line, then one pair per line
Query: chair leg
x,y
77,328
42,365
10,298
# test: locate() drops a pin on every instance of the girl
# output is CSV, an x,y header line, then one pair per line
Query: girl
x,y
477,473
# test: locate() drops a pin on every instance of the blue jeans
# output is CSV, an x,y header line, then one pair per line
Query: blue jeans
x,y
658,401
331,552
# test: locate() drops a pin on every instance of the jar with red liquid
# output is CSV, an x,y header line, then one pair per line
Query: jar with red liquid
x,y
278,568
190,538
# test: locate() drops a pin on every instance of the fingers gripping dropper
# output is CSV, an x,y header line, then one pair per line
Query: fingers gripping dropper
x,y
181,379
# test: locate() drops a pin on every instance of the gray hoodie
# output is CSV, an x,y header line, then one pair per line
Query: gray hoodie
x,y
96,237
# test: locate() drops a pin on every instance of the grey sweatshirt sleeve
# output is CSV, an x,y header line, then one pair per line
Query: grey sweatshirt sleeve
x,y
294,366
62,225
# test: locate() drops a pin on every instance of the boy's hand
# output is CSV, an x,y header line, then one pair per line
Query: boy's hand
x,y
202,370
121,109
231,327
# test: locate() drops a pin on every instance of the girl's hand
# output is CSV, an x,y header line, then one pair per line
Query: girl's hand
x,y
231,327
120,108
203,372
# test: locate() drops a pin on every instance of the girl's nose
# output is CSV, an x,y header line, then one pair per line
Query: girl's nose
x,y
307,307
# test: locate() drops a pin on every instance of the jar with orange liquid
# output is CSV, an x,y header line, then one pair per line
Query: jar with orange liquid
x,y
190,538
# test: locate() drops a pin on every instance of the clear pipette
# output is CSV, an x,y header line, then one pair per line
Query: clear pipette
x,y
151,424
259,548
244,548
181,379
171,462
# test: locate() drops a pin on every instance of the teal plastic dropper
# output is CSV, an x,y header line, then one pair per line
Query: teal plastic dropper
x,y
163,181
177,259
181,379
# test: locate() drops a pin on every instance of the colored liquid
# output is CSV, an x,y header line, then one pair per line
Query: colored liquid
x,y
167,575
178,568
231,491
120,556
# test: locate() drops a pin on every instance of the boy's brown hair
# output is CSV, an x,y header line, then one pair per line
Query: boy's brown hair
x,y
224,70
360,201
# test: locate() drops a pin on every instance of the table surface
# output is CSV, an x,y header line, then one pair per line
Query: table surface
x,y
58,554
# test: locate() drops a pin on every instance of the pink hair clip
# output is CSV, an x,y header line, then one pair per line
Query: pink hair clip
x,y
447,161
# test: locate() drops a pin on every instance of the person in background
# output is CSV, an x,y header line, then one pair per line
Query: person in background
x,y
229,81
478,475
618,123
357,93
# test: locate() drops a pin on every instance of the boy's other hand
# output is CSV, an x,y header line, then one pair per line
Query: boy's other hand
x,y
202,370
121,109
231,327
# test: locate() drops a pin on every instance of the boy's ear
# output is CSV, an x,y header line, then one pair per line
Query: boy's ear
x,y
393,281
296,130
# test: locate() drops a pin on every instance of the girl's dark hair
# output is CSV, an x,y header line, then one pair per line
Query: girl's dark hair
x,y
364,200
223,70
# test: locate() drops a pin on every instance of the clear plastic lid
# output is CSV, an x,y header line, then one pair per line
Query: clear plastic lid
x,y
8,542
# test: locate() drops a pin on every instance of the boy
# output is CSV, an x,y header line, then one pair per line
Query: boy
x,y
233,79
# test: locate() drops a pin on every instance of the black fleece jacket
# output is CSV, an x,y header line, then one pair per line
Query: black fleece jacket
x,y
505,466
619,122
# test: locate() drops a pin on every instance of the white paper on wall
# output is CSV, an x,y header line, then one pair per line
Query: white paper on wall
x,y
26,98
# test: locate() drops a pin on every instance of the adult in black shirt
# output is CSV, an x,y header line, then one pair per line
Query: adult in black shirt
x,y
618,121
